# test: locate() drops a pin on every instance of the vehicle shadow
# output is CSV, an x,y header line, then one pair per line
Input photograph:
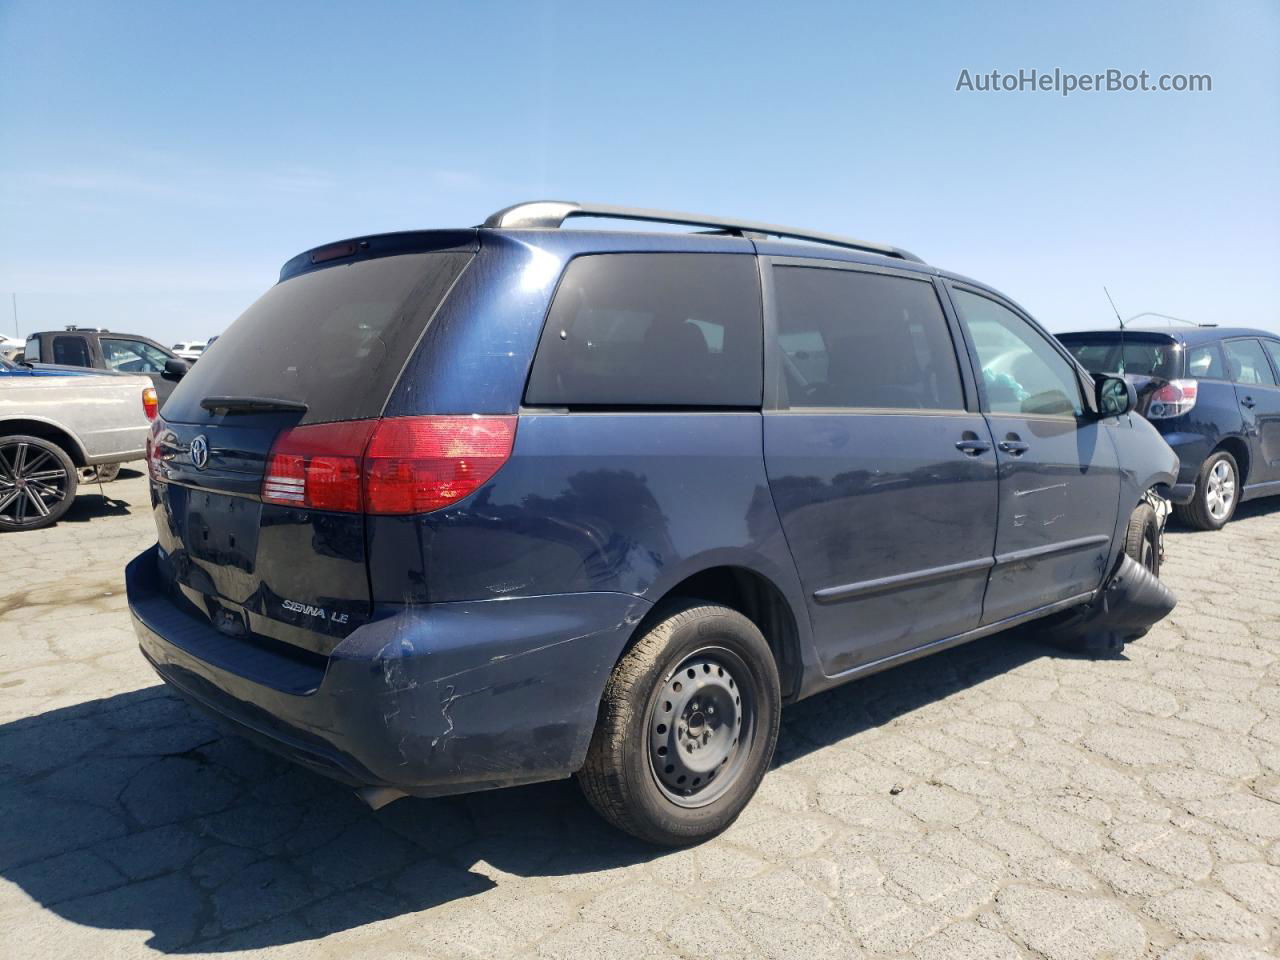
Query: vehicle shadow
x,y
135,812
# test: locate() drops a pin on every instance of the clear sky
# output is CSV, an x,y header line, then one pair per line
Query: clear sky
x,y
158,162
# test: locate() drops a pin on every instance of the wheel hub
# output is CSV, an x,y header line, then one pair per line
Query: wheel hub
x,y
700,726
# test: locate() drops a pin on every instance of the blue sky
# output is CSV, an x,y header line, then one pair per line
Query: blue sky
x,y
158,162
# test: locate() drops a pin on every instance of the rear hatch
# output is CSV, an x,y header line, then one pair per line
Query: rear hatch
x,y
325,345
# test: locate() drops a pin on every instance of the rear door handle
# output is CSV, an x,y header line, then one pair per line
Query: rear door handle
x,y
1248,402
973,447
1015,447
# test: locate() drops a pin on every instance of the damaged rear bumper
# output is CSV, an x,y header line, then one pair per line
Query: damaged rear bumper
x,y
428,700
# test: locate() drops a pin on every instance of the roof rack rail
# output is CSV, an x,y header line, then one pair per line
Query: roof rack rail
x,y
551,215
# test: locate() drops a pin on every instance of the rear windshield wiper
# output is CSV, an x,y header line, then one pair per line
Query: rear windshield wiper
x,y
252,405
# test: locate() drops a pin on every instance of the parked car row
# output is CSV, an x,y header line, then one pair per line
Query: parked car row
x,y
461,509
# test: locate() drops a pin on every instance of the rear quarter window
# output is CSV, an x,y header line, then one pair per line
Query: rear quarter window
x,y
652,330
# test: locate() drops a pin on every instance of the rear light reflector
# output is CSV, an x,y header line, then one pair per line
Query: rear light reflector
x,y
1173,399
400,465
150,403
416,464
318,466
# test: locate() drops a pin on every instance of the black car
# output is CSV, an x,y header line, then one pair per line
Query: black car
x,y
1214,393
461,509
104,350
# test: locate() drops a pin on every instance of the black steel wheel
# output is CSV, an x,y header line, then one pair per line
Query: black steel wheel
x,y
37,482
687,727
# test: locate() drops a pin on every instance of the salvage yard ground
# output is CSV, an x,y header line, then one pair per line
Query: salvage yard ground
x,y
999,800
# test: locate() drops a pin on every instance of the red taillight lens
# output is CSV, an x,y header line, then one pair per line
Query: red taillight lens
x,y
1173,399
150,403
395,466
318,466
416,464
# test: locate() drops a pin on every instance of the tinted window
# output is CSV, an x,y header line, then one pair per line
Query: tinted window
x,y
132,356
31,352
335,339
1206,361
1022,371
1273,348
652,329
1246,363
71,352
1148,358
854,339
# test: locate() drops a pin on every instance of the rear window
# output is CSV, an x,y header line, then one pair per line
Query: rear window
x,y
71,352
652,330
31,352
855,339
335,339
1148,358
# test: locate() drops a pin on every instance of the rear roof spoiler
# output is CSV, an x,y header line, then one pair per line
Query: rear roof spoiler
x,y
551,215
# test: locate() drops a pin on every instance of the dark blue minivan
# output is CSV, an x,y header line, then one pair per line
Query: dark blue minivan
x,y
1214,393
462,509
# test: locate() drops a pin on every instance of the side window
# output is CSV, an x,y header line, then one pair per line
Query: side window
x,y
653,329
132,356
1246,363
854,339
1022,372
31,352
71,352
1205,362
1273,348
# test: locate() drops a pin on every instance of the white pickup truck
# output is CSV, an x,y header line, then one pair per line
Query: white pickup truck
x,y
55,422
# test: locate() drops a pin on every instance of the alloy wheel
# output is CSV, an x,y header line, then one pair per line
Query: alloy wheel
x,y
32,482
1220,490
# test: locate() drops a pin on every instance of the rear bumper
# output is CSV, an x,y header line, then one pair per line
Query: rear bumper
x,y
1192,449
435,699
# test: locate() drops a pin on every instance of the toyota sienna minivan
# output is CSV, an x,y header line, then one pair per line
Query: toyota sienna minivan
x,y
461,509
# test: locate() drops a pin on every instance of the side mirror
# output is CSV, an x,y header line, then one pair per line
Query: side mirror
x,y
175,369
1115,396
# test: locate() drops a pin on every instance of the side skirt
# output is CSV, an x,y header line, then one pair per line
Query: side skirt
x,y
884,663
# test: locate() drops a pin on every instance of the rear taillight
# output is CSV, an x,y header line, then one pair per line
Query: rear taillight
x,y
153,448
150,404
318,466
1173,399
395,466
416,464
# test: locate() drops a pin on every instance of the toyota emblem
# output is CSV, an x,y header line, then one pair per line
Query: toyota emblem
x,y
200,452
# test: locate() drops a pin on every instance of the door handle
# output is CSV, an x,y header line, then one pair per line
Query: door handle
x,y
1248,402
973,447
1015,447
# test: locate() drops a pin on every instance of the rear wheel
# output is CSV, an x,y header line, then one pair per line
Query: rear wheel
x,y
1216,496
687,727
37,483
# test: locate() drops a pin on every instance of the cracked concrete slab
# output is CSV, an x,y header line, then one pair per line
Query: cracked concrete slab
x,y
1003,799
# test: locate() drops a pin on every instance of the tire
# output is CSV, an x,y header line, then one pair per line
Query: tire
x,y
37,483
1205,511
1142,537
704,669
